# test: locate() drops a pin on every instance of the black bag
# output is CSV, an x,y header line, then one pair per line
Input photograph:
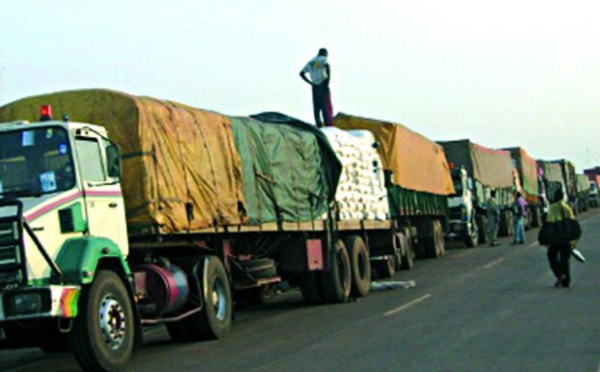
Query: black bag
x,y
561,232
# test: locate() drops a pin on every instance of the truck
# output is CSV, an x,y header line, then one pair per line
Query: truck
x,y
583,192
594,175
476,170
418,182
551,179
531,180
569,178
147,211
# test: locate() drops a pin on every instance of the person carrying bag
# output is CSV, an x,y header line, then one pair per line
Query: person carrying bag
x,y
559,234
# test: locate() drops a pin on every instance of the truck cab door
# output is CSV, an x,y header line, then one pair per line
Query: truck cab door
x,y
103,197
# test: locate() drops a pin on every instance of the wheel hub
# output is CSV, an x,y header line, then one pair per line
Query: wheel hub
x,y
112,321
219,300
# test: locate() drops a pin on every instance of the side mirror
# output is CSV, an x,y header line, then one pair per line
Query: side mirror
x,y
113,161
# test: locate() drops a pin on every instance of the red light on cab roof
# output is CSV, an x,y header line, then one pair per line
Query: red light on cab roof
x,y
45,113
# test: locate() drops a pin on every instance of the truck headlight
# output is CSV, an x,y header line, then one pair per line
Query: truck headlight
x,y
30,302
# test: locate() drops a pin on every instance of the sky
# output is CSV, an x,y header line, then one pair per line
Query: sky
x,y
502,74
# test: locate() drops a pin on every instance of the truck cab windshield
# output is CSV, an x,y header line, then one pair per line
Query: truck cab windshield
x,y
35,162
458,183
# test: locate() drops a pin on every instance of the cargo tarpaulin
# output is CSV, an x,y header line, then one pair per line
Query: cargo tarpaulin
x,y
290,172
551,171
583,183
492,168
416,162
173,155
527,167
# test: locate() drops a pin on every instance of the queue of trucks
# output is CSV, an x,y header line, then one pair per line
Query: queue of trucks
x,y
129,211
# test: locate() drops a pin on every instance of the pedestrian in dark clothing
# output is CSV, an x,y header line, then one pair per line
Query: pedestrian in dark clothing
x,y
519,215
559,254
320,73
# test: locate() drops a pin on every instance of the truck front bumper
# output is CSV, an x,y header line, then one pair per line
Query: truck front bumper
x,y
59,301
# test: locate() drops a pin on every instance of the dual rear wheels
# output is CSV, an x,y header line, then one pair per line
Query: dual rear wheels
x,y
349,274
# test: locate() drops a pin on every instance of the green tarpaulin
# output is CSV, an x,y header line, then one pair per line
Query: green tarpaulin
x,y
288,168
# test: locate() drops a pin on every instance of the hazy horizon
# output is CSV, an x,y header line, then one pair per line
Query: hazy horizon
x,y
519,73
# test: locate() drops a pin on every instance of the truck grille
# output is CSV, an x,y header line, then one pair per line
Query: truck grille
x,y
12,260
9,249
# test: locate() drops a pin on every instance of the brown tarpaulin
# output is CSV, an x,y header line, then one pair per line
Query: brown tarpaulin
x,y
416,162
172,155
528,170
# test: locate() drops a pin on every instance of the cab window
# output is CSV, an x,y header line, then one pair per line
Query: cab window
x,y
90,158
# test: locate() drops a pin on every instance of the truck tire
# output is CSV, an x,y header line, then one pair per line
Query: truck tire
x,y
438,235
385,268
434,243
360,266
310,287
214,320
337,281
408,259
482,228
102,338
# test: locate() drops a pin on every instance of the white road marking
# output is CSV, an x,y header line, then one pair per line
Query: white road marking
x,y
406,306
494,263
532,245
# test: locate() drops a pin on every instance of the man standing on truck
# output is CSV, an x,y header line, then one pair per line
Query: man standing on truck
x,y
320,73
493,217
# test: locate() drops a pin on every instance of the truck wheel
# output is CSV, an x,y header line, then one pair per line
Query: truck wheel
x,y
336,282
214,320
310,287
103,332
482,228
438,236
385,268
360,266
408,258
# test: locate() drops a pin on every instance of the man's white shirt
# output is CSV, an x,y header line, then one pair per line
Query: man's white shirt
x,y
316,69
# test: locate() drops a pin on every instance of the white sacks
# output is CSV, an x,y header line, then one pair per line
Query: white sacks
x,y
361,193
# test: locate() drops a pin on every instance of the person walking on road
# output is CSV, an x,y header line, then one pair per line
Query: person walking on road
x,y
493,218
320,73
559,254
519,215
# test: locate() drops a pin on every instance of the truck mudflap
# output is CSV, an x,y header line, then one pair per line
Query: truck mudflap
x,y
53,301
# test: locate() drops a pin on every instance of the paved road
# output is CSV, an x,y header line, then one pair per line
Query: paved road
x,y
482,309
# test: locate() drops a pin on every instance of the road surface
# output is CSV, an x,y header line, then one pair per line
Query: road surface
x,y
478,309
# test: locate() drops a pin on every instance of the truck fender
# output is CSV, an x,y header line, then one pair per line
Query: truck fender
x,y
79,258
